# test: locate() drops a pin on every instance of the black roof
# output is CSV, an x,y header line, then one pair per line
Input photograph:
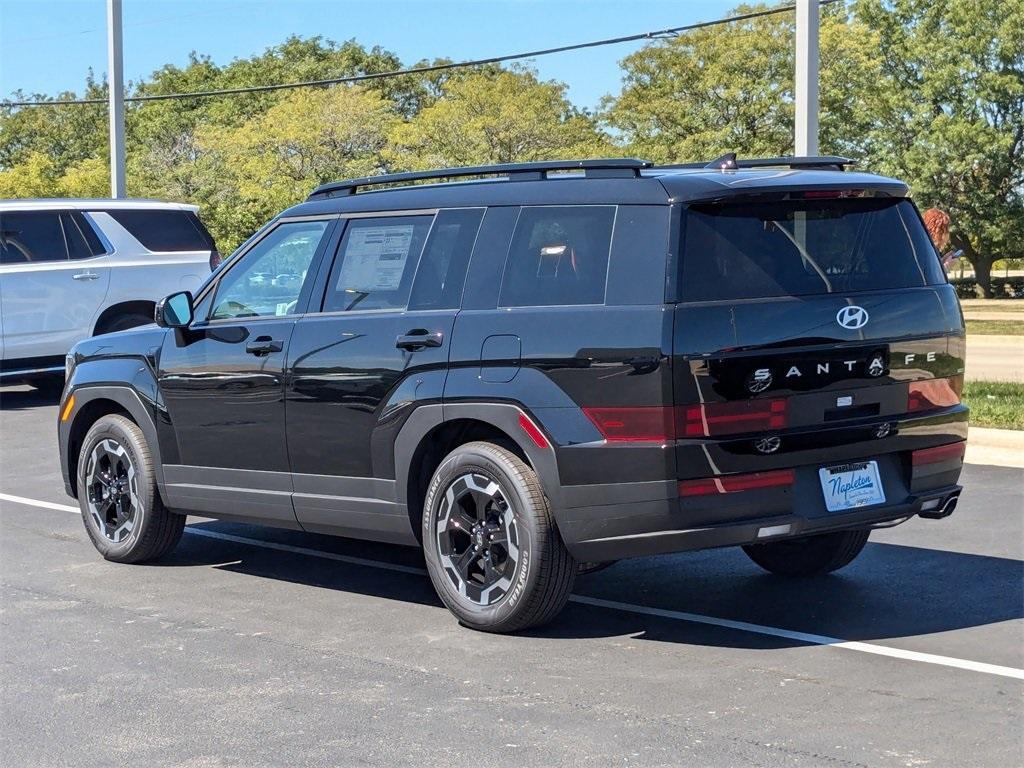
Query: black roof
x,y
612,181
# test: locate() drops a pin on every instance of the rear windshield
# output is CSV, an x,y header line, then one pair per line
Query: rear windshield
x,y
165,230
751,250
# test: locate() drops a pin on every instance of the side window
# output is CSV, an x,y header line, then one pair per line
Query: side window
x,y
164,229
442,270
559,255
88,229
376,263
268,278
28,238
78,246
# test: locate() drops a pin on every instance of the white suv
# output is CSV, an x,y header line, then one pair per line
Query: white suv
x,y
70,269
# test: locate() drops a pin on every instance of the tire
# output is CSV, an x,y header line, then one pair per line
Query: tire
x,y
130,524
810,556
123,323
492,549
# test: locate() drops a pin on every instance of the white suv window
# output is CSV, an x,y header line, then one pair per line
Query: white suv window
x,y
28,238
268,278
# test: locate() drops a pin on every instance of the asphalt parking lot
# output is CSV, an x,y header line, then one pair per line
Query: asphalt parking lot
x,y
255,647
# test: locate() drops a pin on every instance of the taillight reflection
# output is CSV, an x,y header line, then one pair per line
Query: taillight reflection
x,y
929,394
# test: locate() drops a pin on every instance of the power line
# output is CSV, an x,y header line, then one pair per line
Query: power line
x,y
670,32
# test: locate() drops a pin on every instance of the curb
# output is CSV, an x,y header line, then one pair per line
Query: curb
x,y
995,447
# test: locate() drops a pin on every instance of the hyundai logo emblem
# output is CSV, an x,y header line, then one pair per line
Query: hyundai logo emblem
x,y
759,380
877,366
852,317
768,444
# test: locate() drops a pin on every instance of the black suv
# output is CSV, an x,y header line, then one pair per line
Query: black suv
x,y
543,368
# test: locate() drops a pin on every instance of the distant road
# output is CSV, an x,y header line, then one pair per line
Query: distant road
x,y
995,358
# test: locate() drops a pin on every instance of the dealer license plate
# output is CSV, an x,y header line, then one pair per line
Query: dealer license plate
x,y
850,486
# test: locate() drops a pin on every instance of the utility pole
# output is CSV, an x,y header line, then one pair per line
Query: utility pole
x,y
115,89
807,65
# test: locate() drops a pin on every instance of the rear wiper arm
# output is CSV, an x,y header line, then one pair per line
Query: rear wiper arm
x,y
805,255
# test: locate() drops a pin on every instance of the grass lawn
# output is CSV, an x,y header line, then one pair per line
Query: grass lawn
x,y
996,327
996,404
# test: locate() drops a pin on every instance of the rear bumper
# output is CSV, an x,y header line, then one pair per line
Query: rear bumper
x,y
613,532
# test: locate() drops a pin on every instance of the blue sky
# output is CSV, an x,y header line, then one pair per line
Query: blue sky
x,y
48,45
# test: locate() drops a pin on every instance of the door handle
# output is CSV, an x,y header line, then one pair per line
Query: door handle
x,y
85,276
419,338
264,345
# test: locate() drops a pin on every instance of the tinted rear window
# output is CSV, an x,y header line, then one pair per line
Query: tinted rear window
x,y
165,230
28,238
559,255
749,250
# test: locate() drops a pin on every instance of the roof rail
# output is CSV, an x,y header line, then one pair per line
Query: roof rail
x,y
611,168
728,162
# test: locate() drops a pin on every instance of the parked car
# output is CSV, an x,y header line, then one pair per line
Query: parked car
x,y
70,269
558,364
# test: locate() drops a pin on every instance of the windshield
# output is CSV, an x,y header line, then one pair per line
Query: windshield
x,y
749,250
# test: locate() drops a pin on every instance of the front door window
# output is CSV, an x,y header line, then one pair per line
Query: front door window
x,y
269,278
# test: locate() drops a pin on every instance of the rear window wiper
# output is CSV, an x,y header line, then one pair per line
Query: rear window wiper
x,y
808,259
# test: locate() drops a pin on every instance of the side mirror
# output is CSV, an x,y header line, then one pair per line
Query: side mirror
x,y
174,311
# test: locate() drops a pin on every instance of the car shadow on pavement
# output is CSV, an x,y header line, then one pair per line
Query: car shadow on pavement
x,y
19,398
890,591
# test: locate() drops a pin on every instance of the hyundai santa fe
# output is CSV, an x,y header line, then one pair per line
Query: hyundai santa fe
x,y
530,370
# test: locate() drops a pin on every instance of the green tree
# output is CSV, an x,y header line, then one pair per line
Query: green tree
x,y
274,160
730,88
950,118
496,117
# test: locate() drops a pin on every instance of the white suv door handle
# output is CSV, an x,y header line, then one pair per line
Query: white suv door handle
x,y
85,276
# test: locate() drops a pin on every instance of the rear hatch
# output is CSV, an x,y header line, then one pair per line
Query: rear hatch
x,y
814,328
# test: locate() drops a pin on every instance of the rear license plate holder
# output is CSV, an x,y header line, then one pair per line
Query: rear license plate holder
x,y
851,486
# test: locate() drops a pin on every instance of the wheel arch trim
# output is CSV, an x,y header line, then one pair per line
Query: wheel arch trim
x,y
502,416
128,399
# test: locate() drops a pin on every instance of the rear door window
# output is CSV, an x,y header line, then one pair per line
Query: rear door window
x,y
165,230
442,270
30,238
750,250
88,229
558,256
78,245
376,263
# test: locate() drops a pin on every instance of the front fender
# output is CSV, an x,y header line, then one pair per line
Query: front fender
x,y
134,391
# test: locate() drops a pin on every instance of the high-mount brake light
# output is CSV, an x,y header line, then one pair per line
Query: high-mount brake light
x,y
715,419
829,194
707,486
929,394
640,424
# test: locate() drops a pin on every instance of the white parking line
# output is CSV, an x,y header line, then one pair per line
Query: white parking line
x,y
694,618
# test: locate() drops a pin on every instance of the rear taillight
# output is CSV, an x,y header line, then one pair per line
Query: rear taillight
x,y
633,425
706,486
934,393
655,424
714,419
215,260
938,454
